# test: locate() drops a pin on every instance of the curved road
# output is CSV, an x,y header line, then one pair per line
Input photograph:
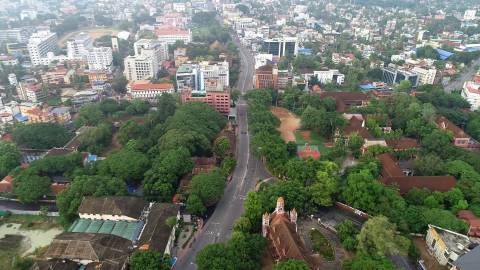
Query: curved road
x,y
246,174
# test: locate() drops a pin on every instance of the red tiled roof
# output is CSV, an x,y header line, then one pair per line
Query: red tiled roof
x,y
402,144
389,167
6,184
355,125
472,220
445,124
169,30
141,86
433,183
56,188
308,151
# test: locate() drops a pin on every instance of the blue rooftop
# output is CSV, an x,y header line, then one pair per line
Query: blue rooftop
x,y
21,118
305,51
367,86
444,55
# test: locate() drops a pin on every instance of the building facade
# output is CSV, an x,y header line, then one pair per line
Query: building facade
x,y
100,58
281,46
40,44
471,92
149,91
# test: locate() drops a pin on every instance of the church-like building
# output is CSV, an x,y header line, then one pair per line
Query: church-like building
x,y
280,229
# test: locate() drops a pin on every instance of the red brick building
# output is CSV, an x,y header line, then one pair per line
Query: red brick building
x,y
220,101
266,77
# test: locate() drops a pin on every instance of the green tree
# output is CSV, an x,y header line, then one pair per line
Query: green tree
x,y
89,115
221,146
41,135
119,84
291,264
429,164
96,139
195,205
347,233
323,189
404,86
129,130
355,142
216,257
379,237
116,165
9,157
208,186
149,260
366,262
29,188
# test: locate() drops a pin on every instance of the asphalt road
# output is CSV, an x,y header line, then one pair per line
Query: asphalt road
x,y
465,76
246,174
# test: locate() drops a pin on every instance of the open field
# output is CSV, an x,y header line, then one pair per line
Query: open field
x,y
289,123
94,32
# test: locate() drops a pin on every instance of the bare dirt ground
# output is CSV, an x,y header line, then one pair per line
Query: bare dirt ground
x,y
429,261
289,123
94,33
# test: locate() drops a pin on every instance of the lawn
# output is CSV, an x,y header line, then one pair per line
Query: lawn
x,y
321,245
32,222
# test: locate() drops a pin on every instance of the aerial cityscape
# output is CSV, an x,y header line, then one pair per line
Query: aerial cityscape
x,y
239,135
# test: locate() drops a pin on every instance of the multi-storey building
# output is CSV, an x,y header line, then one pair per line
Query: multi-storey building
x,y
215,71
219,100
57,76
30,92
188,75
19,35
329,76
100,58
426,75
281,46
78,47
149,91
40,44
471,92
146,62
266,77
393,75
170,35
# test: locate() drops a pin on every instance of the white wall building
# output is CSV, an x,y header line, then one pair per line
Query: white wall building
x,y
78,47
100,58
170,35
470,15
40,44
262,59
425,76
471,92
14,35
149,91
217,71
147,59
281,46
329,76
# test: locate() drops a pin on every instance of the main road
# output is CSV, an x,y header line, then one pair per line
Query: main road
x,y
466,75
245,176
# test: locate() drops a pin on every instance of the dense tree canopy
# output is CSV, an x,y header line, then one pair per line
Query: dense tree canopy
x,y
41,135
149,260
9,157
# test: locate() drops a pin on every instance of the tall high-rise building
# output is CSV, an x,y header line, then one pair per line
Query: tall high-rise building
x,y
100,58
77,47
281,46
393,75
146,62
39,44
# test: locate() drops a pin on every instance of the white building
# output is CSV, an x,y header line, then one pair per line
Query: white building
x,y
100,58
14,35
12,79
152,48
84,96
78,47
147,59
470,15
149,91
216,71
28,14
471,92
40,44
425,76
329,76
262,59
171,34
30,92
